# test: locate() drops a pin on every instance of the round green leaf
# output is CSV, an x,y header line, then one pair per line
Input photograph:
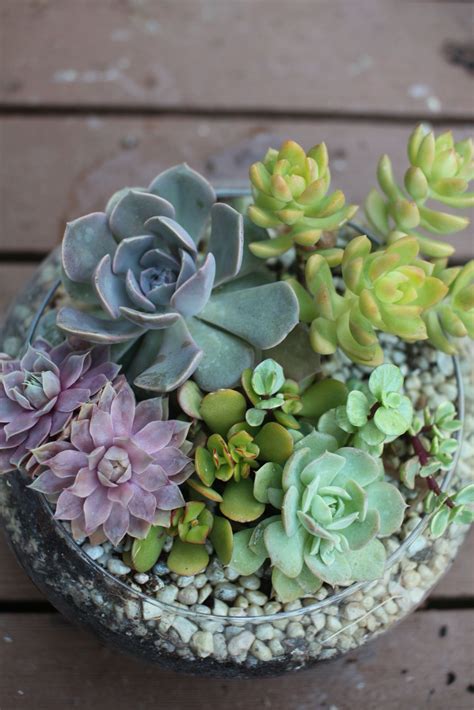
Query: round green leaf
x,y
268,476
222,409
357,408
187,559
321,397
275,443
268,377
239,503
390,422
385,378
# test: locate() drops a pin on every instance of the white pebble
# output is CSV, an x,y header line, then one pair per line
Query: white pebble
x,y
295,630
188,595
261,651
203,643
185,628
168,594
250,582
93,551
264,632
240,644
117,567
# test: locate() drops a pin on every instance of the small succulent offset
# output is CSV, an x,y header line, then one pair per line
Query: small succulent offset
x,y
290,194
374,414
118,467
440,170
137,269
268,389
222,459
432,442
40,392
386,290
334,506
446,508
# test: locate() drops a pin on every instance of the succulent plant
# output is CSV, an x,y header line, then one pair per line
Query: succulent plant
x,y
40,392
453,317
433,445
448,508
440,170
290,194
192,523
334,506
373,415
222,459
387,290
137,269
269,390
145,552
118,467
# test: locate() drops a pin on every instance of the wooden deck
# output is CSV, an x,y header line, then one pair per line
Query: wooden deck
x,y
95,95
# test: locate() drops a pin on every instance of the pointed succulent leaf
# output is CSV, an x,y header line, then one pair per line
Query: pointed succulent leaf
x,y
94,329
263,316
190,194
368,562
190,398
175,362
225,356
133,210
86,241
268,476
226,242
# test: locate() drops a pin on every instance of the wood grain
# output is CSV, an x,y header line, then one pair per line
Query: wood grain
x,y
56,169
377,57
424,663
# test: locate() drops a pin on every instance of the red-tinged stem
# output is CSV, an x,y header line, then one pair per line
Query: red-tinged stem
x,y
424,457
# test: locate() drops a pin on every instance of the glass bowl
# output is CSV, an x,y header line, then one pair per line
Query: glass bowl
x,y
254,641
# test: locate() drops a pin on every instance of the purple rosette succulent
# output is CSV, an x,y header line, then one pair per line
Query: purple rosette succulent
x,y
40,392
149,266
118,468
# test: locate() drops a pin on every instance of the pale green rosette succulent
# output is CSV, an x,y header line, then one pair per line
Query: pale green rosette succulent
x,y
373,415
148,266
334,505
440,170
290,190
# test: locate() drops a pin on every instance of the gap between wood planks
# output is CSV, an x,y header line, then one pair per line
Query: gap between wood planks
x,y
255,113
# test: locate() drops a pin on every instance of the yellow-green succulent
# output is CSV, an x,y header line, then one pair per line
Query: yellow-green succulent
x,y
440,170
290,190
387,290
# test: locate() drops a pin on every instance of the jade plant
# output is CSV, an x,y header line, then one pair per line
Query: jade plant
x,y
221,438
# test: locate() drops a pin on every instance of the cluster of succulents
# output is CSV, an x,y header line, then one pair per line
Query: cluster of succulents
x,y
440,170
220,436
374,414
290,195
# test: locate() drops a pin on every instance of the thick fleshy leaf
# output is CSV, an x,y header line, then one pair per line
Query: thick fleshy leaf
x,y
86,241
285,552
176,361
94,329
338,572
224,356
389,502
368,563
155,321
226,242
295,355
268,476
68,506
263,315
190,298
174,234
190,194
133,210
385,378
116,525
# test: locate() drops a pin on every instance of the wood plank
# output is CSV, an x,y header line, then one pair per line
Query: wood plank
x,y
56,169
371,57
424,662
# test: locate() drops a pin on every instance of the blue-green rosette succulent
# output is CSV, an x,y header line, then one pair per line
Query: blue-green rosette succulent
x,y
334,505
146,267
